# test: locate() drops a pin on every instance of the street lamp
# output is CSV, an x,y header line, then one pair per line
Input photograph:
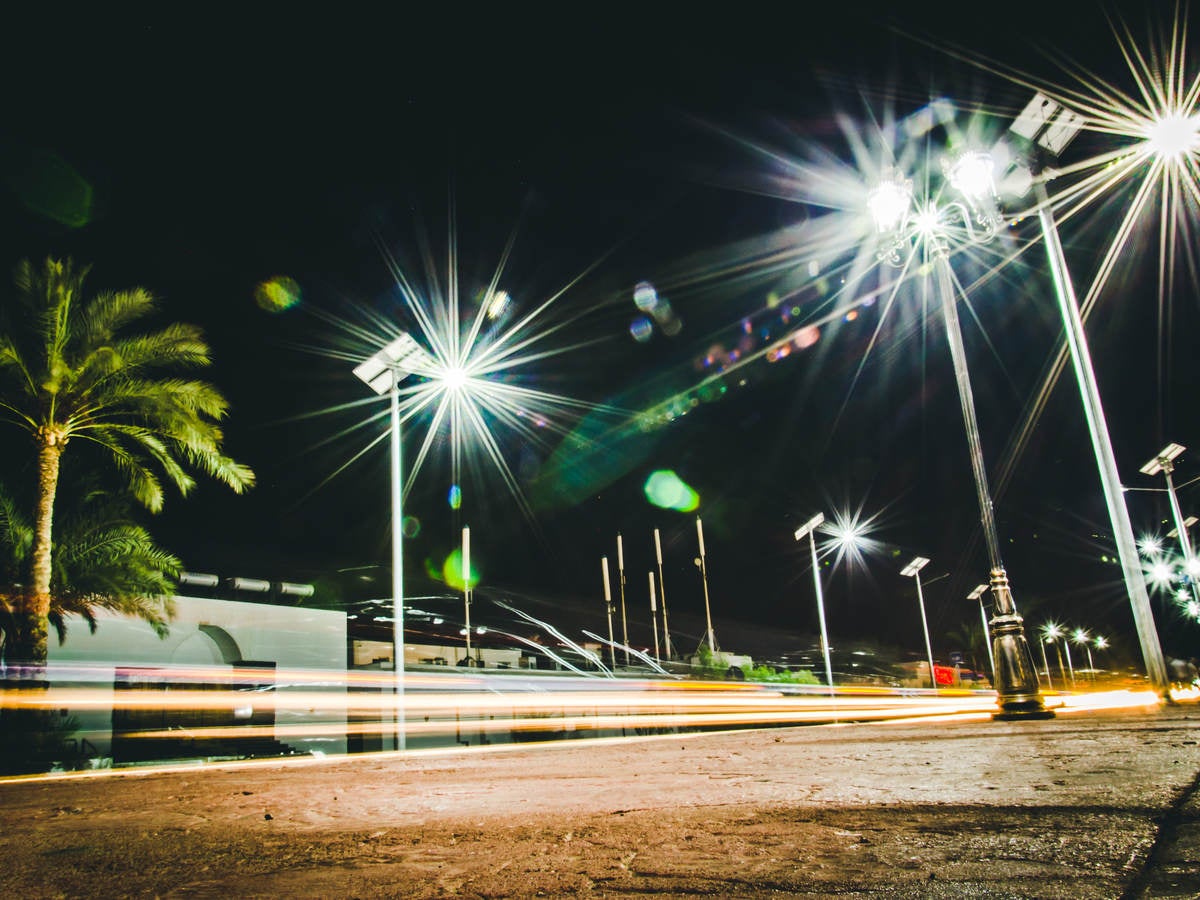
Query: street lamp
x,y
1049,127
383,373
662,585
809,528
977,594
703,566
1083,639
1164,462
909,225
466,577
653,614
913,570
621,588
608,607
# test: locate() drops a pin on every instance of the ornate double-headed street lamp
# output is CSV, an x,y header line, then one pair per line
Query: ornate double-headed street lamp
x,y
383,373
919,234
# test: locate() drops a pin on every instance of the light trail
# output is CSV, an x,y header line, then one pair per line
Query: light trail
x,y
663,707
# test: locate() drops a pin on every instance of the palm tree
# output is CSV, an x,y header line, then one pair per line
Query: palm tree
x,y
70,369
102,560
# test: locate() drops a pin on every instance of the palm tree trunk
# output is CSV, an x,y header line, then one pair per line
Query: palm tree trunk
x,y
27,658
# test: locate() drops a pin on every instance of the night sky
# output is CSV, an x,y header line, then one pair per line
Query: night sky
x,y
201,159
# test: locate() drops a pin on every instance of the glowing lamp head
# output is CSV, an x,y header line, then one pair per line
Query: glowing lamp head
x,y
454,378
1173,136
1161,573
1080,636
890,201
971,175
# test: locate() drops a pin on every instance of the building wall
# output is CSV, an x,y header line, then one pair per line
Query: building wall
x,y
212,636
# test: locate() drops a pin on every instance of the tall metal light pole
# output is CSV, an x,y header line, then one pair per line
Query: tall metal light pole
x,y
621,587
1165,462
653,614
466,577
712,641
608,606
662,585
383,373
913,570
977,594
1049,127
809,529
925,228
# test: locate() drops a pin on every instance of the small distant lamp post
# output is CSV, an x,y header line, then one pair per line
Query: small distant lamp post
x,y
1083,639
653,614
662,594
808,529
608,606
977,594
700,561
466,577
383,373
913,570
621,588
1164,462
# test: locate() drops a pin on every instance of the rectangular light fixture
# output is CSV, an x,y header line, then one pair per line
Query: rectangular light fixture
x,y
1187,523
914,567
404,356
977,593
1165,455
1047,123
808,526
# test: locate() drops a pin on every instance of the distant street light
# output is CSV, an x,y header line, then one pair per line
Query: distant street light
x,y
383,373
809,528
1165,462
1083,639
977,594
608,607
700,562
913,570
653,614
621,588
662,585
466,577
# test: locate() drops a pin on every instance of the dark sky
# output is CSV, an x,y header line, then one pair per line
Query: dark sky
x,y
216,155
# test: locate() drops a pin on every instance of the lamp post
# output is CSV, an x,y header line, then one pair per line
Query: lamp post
x,y
926,227
653,614
1049,127
1046,665
662,594
466,577
608,606
809,528
1164,462
621,588
1083,639
383,373
700,561
977,594
913,570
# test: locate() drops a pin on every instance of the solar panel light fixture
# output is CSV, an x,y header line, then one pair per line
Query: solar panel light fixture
x,y
402,356
1187,523
1164,460
914,567
978,592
